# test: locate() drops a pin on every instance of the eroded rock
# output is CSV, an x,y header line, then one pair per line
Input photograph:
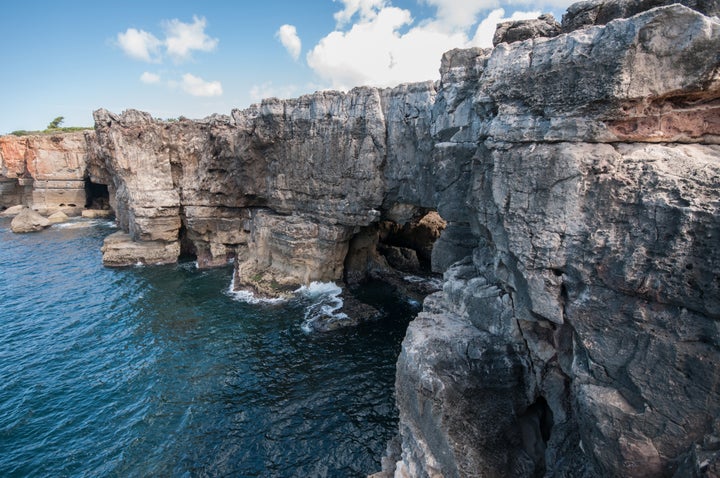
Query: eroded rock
x,y
28,220
545,26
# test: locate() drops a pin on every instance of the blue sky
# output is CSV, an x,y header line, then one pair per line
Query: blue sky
x,y
192,58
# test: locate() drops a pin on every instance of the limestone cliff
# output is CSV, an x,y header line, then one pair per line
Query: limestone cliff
x,y
46,172
580,336
577,171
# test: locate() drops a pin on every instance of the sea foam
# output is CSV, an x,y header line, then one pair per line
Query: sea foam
x,y
323,312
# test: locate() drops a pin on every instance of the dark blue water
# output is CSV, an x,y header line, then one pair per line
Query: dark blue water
x,y
158,371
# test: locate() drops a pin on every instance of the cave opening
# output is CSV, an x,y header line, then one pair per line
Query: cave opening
x,y
398,252
97,196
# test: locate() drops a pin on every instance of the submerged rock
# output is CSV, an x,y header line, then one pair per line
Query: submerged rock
x,y
28,220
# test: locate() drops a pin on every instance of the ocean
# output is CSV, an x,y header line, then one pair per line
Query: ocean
x,y
162,371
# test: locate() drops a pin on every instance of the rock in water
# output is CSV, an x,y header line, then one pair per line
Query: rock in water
x,y
58,217
28,221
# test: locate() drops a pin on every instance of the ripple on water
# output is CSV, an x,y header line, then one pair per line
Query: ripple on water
x,y
158,371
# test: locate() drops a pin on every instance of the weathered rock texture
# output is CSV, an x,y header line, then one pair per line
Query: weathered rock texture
x,y
580,337
577,179
600,12
45,172
545,26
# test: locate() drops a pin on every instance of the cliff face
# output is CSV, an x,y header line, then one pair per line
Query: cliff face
x,y
44,171
580,335
576,333
283,185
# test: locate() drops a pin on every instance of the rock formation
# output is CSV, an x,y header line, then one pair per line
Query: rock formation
x,y
573,339
576,178
45,172
28,220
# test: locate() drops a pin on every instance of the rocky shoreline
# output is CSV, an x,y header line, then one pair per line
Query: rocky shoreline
x,y
565,183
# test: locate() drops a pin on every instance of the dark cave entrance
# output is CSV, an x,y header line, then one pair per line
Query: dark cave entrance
x,y
399,254
97,196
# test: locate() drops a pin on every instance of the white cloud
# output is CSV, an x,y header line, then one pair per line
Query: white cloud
x,y
453,14
150,78
375,53
366,8
139,44
384,47
287,34
268,90
196,86
182,38
486,29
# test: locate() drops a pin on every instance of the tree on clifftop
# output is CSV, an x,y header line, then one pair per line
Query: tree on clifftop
x,y
54,124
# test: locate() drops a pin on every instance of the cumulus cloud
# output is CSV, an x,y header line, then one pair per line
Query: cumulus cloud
x,y
385,46
182,38
287,34
196,86
139,44
453,14
150,78
367,10
374,52
268,90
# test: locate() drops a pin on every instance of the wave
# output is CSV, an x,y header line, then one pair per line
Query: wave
x,y
248,297
324,312
435,282
80,223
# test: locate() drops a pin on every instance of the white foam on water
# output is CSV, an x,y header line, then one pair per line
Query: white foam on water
x,y
435,282
324,310
248,297
81,223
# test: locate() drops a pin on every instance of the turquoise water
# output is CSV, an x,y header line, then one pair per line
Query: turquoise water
x,y
159,371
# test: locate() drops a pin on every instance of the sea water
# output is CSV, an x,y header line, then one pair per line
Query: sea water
x,y
162,371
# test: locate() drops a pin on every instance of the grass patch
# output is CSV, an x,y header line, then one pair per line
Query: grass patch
x,y
64,129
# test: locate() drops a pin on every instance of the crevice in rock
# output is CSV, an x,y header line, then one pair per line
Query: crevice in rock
x,y
535,425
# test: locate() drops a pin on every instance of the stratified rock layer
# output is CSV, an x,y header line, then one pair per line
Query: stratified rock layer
x,y
45,172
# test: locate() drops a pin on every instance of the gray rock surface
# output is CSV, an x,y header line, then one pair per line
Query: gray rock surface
x,y
565,342
519,30
28,220
600,12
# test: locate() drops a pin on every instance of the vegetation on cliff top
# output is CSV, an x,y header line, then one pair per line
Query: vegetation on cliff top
x,y
52,128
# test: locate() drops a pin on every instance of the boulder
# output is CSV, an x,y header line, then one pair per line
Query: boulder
x,y
120,250
96,213
58,217
28,220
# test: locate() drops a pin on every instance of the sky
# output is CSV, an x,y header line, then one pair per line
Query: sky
x,y
194,58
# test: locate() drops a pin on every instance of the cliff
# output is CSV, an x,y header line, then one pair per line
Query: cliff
x,y
46,172
577,178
